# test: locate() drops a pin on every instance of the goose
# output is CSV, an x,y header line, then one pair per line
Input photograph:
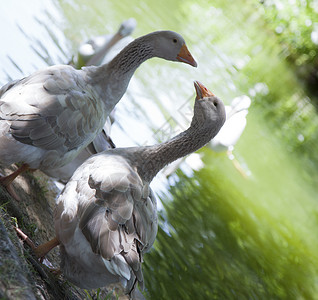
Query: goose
x,y
95,50
47,118
106,217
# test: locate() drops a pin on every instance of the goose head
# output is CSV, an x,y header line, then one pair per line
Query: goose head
x,y
209,110
170,45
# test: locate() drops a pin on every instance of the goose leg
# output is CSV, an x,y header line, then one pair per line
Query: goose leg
x,y
39,251
6,181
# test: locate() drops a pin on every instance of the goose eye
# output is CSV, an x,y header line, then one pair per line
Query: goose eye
x,y
175,41
215,103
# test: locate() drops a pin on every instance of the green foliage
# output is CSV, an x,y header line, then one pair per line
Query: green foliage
x,y
219,244
295,24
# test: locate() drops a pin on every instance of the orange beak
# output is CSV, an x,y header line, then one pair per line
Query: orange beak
x,y
185,56
202,91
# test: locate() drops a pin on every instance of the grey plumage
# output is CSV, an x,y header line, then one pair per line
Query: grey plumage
x,y
106,217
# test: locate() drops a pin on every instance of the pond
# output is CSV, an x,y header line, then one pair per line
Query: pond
x,y
225,234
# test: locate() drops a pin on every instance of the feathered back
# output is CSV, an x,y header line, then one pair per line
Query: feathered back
x,y
119,220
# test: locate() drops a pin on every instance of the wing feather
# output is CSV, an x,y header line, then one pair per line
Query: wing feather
x,y
113,223
50,110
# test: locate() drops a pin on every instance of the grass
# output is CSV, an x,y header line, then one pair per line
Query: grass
x,y
99,295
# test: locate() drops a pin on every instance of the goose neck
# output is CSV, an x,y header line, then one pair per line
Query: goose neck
x,y
156,157
131,57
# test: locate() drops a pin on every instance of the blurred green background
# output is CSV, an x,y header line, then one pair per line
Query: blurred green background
x,y
222,235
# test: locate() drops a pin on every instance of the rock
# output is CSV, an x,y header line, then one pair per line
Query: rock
x,y
15,274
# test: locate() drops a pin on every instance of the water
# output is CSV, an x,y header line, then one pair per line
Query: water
x,y
266,222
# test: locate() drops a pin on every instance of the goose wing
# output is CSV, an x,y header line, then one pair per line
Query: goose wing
x,y
121,223
50,109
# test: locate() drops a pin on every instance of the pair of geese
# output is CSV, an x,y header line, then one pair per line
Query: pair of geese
x,y
106,217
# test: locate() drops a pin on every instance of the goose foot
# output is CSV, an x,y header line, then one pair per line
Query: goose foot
x,y
40,261
39,251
